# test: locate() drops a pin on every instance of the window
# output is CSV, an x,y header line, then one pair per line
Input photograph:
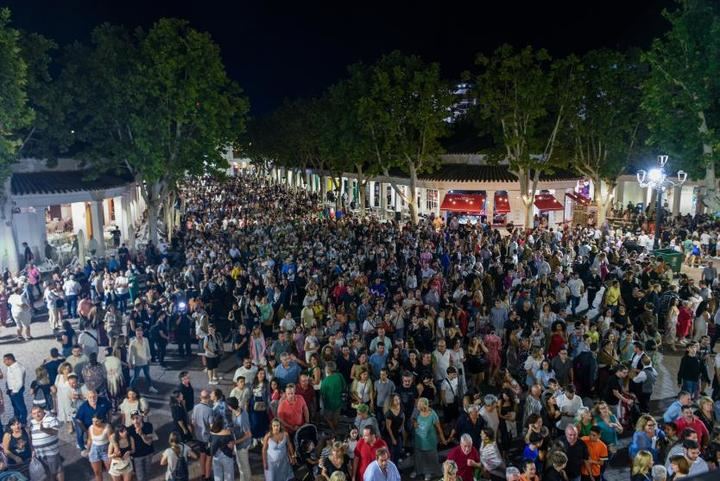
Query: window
x,y
431,202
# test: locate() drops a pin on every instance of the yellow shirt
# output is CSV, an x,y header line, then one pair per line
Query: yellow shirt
x,y
612,296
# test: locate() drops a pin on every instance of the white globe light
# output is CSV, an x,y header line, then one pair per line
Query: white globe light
x,y
655,175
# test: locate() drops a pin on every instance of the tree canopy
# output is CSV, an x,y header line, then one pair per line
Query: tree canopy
x,y
682,93
157,103
15,111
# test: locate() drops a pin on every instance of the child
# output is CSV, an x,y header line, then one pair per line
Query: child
x,y
351,442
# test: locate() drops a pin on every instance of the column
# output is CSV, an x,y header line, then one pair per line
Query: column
x,y
490,205
676,196
9,254
619,193
96,210
309,182
125,217
383,200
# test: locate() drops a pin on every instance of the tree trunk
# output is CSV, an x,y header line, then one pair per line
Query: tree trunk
x,y
604,203
412,201
152,194
529,224
153,208
709,197
169,211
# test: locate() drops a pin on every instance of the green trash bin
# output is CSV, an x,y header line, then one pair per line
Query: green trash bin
x,y
671,257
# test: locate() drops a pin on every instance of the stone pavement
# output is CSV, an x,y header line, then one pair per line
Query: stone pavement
x,y
32,353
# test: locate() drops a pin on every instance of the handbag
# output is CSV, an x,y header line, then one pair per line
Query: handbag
x,y
259,406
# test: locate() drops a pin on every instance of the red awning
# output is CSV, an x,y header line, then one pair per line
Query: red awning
x,y
502,203
547,202
467,203
579,198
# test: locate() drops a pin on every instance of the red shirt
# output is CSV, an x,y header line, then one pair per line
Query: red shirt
x,y
307,394
697,425
464,471
365,454
291,413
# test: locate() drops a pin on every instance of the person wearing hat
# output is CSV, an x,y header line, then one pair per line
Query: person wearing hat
x,y
364,418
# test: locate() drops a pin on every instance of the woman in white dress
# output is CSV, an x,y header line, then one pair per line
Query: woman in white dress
x,y
62,392
115,380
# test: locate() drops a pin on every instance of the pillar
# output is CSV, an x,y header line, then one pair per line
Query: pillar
x,y
490,205
676,196
309,182
620,193
96,211
9,255
383,200
125,217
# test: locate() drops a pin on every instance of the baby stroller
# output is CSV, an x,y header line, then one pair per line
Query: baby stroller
x,y
306,442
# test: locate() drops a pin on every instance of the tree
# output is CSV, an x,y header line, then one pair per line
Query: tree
x,y
158,103
524,103
604,121
401,105
344,139
682,93
15,112
15,115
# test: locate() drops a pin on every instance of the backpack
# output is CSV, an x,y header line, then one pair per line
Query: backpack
x,y
181,471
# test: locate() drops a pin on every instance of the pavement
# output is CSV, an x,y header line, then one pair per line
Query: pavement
x,y
32,353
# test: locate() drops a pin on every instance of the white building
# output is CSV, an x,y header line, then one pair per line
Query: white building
x,y
55,204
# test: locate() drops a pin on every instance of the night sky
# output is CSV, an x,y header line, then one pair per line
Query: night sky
x,y
278,50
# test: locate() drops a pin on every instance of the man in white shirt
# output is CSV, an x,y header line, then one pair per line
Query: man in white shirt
x,y
16,386
576,286
44,433
21,309
139,359
569,404
71,289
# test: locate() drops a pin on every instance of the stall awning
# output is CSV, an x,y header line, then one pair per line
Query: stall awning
x,y
467,203
579,198
502,203
547,202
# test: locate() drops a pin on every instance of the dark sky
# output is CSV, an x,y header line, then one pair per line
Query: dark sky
x,y
278,50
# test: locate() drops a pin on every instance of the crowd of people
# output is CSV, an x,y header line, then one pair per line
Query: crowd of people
x,y
365,346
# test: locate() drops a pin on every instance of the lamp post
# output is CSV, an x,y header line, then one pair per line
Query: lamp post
x,y
657,179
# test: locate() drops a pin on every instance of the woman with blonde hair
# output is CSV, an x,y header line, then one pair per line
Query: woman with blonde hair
x,y
62,391
645,438
641,466
174,452
450,469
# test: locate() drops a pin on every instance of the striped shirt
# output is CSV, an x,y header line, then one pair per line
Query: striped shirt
x,y
45,444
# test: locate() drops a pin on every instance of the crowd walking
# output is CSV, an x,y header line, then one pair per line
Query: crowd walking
x,y
366,350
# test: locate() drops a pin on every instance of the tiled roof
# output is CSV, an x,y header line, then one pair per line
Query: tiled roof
x,y
51,182
485,173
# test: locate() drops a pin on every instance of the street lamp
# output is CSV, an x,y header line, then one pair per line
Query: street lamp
x,y
657,179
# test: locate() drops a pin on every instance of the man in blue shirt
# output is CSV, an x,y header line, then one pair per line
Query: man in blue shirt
x,y
378,360
93,406
287,372
382,469
675,409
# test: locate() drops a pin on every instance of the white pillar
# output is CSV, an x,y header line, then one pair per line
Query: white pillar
x,y
96,210
126,219
620,193
676,195
489,205
383,200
